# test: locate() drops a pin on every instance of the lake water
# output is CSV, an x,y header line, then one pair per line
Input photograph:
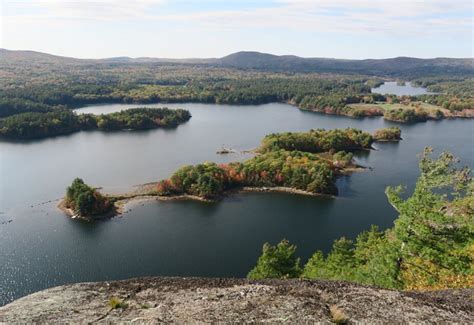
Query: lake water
x,y
41,247
392,88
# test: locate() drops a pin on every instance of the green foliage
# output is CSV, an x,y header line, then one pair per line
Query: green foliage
x,y
277,262
57,122
338,265
197,85
295,169
42,86
435,227
35,125
454,93
407,115
11,106
319,140
206,180
85,200
388,134
430,246
342,159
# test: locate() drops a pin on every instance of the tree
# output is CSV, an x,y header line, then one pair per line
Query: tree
x,y
277,262
315,268
340,262
85,200
434,231
430,246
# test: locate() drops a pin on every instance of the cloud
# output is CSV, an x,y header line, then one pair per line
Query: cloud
x,y
340,16
80,9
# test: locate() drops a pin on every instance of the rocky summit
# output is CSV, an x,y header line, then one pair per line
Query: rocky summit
x,y
159,299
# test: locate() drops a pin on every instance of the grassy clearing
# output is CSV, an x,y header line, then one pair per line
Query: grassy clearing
x,y
389,106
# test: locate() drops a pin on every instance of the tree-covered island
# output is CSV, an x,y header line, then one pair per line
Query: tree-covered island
x,y
83,201
35,125
297,162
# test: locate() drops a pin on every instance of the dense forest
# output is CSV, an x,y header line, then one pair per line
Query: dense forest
x,y
287,160
429,246
39,125
38,83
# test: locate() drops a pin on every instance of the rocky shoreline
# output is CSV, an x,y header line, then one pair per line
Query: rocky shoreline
x,y
161,299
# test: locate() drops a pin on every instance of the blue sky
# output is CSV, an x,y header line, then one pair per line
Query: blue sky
x,y
181,29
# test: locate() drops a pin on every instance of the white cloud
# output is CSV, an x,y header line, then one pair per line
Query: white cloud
x,y
394,17
382,17
82,9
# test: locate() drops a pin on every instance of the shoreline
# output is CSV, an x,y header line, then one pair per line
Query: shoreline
x,y
144,193
119,205
281,189
121,201
114,211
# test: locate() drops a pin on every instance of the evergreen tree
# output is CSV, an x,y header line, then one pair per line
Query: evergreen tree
x,y
277,262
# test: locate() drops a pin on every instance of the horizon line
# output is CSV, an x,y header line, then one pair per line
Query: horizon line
x,y
241,51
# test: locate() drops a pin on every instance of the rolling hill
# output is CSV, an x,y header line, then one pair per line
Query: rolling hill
x,y
403,67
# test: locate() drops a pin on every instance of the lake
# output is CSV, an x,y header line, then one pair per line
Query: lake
x,y
41,247
407,89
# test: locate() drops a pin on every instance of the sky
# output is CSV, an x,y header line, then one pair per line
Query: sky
x,y
352,29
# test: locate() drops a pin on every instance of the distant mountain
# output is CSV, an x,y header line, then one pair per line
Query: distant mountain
x,y
395,67
28,57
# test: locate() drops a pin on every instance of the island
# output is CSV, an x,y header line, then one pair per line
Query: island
x,y
388,134
83,201
295,162
34,125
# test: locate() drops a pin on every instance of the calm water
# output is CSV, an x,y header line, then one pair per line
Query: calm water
x,y
41,247
393,88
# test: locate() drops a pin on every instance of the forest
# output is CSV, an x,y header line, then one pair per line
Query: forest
x,y
339,95
429,246
49,85
35,125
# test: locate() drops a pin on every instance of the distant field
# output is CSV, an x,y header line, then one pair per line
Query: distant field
x,y
429,108
385,106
